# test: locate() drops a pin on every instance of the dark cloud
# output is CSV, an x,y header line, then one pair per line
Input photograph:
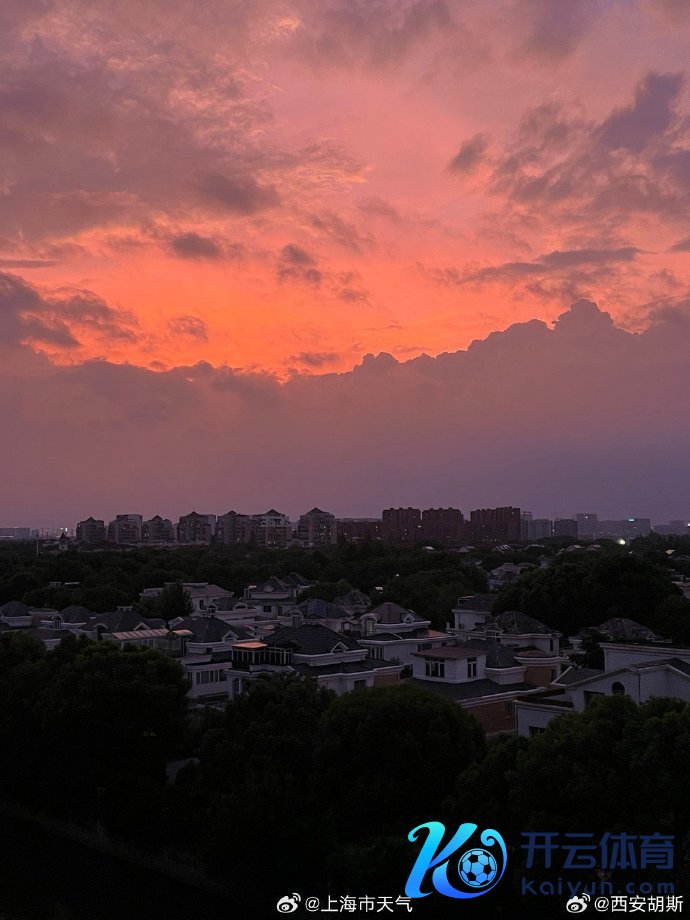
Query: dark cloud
x,y
341,231
296,255
315,359
651,115
377,207
681,245
552,262
239,195
27,263
555,29
194,246
562,398
373,35
190,326
470,155
56,317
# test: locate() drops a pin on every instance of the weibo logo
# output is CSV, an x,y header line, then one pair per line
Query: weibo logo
x,y
478,868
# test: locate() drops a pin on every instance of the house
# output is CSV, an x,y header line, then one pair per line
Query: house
x,y
482,676
473,610
315,610
16,615
204,596
337,661
276,595
640,670
394,633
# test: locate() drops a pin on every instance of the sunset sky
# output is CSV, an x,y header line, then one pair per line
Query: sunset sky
x,y
246,247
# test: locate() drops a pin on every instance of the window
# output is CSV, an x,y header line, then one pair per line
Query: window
x,y
471,667
267,608
536,730
435,667
376,652
617,688
360,683
591,695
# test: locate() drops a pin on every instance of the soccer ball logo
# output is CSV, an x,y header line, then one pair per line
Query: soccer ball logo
x,y
478,868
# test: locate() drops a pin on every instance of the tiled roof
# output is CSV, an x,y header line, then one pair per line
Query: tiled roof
x,y
317,609
310,639
391,613
353,599
575,675
468,690
14,609
211,629
514,622
122,621
481,602
343,667
76,614
622,629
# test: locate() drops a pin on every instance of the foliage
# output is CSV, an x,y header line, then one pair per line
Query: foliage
x,y
587,589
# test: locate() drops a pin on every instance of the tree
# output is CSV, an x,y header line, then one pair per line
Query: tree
x,y
175,601
393,754
589,588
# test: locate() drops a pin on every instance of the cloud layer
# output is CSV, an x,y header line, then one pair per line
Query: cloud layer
x,y
580,416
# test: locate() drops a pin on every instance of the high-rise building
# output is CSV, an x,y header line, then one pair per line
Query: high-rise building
x,y
495,525
91,531
354,530
196,528
317,528
235,528
539,529
401,525
446,525
565,527
126,528
158,530
16,533
587,525
272,530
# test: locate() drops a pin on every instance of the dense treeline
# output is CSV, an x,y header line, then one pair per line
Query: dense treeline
x,y
583,589
428,582
573,590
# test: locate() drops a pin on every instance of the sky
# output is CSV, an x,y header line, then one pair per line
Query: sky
x,y
346,253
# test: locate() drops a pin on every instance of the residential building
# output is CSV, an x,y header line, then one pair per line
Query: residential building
x,y
401,525
445,525
158,530
91,531
495,525
277,595
337,661
196,528
272,529
317,528
126,528
639,670
565,527
354,530
234,528
587,525
483,677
